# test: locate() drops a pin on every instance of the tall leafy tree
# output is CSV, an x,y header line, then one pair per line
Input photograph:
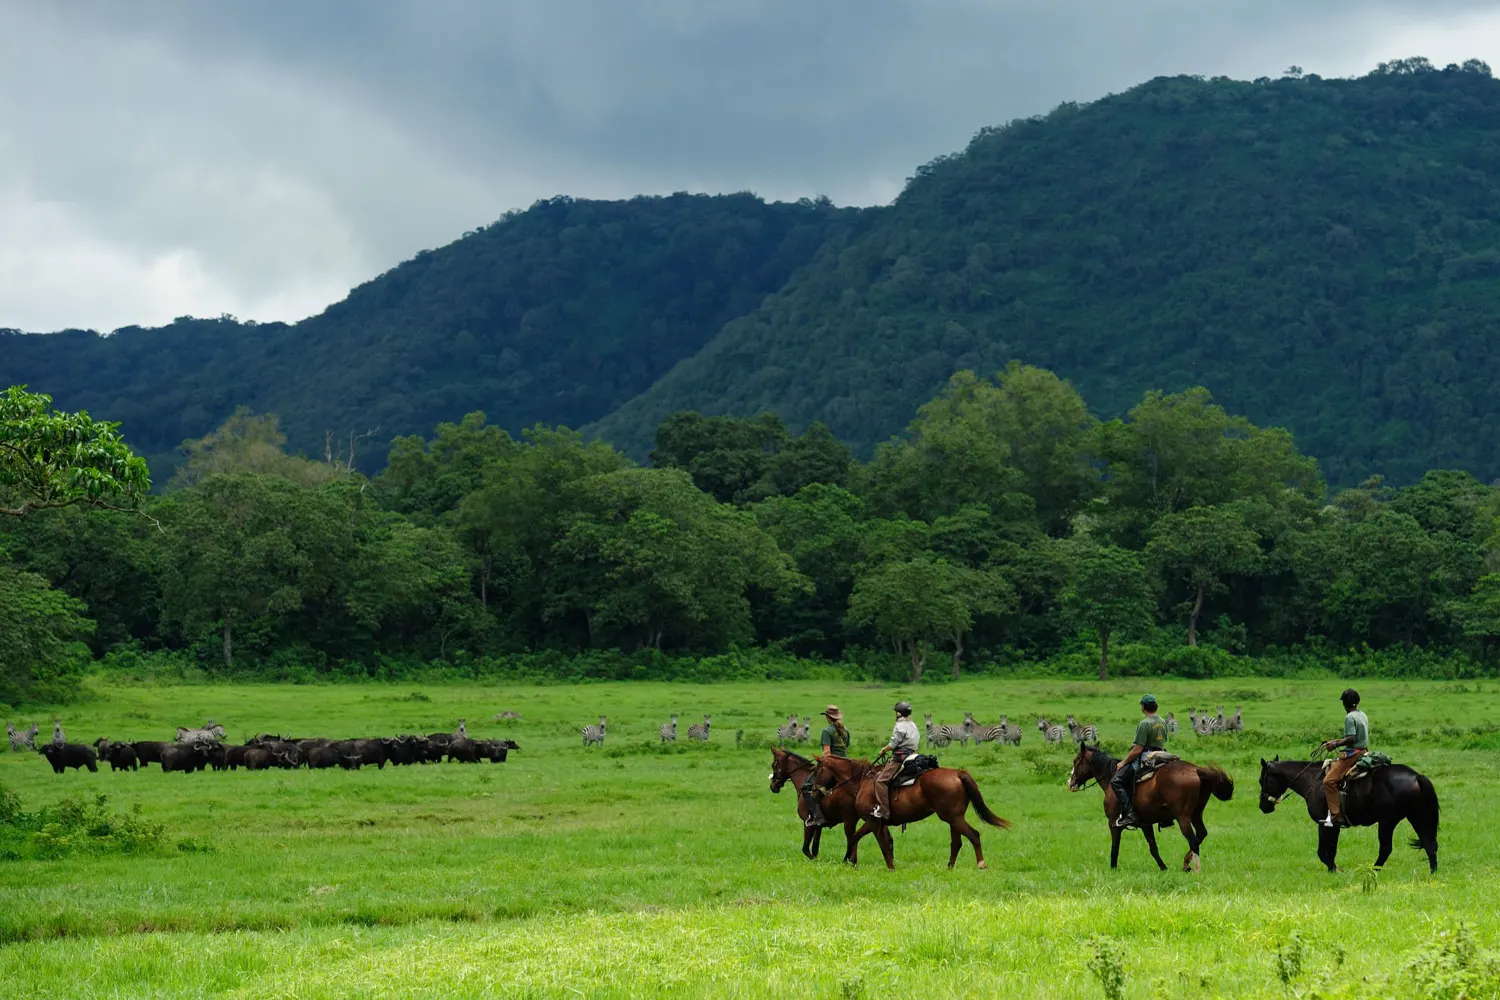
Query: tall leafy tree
x,y
1198,549
38,627
914,603
49,458
1108,589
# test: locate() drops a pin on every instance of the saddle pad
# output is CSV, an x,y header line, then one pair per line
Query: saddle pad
x,y
1150,763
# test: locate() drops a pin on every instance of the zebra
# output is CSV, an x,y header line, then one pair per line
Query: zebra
x,y
787,731
668,730
1202,724
1219,723
1235,724
22,739
507,716
594,735
462,732
1050,732
804,729
58,738
1081,732
1171,724
699,731
1002,733
941,736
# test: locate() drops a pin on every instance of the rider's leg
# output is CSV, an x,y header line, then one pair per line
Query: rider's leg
x,y
812,795
1124,785
883,789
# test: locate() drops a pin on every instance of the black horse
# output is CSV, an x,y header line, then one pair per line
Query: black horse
x,y
1389,795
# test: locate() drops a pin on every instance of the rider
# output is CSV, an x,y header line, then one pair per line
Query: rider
x,y
1150,734
1354,745
903,743
835,740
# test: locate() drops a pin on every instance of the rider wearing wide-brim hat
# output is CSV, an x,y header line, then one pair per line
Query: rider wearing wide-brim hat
x,y
903,743
835,741
1150,734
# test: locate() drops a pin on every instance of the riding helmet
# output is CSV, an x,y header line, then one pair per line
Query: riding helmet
x,y
903,708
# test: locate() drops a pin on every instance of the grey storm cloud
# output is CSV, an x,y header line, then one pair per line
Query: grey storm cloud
x,y
171,156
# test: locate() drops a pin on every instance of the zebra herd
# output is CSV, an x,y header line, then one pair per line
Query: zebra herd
x,y
1207,725
593,736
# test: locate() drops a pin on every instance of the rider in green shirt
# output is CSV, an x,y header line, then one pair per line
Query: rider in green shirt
x,y
1354,745
1150,734
835,740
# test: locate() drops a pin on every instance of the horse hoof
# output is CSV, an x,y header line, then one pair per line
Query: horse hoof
x,y
1195,864
982,866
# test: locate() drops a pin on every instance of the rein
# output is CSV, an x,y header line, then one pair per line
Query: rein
x,y
1292,781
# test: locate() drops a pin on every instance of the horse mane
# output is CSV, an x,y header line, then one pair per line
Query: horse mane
x,y
796,757
1101,753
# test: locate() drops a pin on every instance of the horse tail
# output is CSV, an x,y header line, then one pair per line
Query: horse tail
x,y
1216,781
1428,820
978,802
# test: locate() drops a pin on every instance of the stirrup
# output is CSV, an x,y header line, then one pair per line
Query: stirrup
x,y
1124,822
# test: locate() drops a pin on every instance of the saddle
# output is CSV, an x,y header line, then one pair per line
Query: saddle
x,y
1367,765
1150,762
913,768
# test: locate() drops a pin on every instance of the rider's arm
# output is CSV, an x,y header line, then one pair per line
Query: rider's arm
x,y
1135,751
1342,741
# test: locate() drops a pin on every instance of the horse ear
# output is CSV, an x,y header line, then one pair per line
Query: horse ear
x,y
1278,757
1262,762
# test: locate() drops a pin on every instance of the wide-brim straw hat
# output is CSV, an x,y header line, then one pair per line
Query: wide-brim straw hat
x,y
832,712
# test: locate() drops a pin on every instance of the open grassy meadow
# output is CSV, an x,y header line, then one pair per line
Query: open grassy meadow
x,y
633,871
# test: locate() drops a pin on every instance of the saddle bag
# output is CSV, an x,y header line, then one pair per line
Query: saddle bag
x,y
914,767
1370,761
1150,761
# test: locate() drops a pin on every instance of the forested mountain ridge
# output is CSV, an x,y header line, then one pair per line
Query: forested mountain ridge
x,y
1320,254
554,315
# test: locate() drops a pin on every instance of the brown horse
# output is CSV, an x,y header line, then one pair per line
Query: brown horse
x,y
837,805
1178,793
943,791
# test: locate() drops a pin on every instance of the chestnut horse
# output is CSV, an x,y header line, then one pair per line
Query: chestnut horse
x,y
1178,793
942,791
837,804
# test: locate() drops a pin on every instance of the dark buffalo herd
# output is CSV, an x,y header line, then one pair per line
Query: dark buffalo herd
x,y
202,750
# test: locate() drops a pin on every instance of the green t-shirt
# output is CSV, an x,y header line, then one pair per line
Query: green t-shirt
x,y
1151,733
836,744
1357,725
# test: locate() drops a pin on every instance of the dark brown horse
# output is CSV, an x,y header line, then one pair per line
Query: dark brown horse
x,y
943,791
1383,799
837,805
1177,793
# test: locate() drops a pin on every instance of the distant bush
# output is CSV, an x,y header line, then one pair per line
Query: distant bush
x,y
74,826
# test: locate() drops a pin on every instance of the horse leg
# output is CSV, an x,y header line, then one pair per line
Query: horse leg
x,y
1151,843
1387,828
1114,846
817,841
887,848
954,842
1190,862
852,839
809,850
960,825
1328,847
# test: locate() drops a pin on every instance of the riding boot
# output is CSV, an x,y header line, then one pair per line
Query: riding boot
x,y
882,800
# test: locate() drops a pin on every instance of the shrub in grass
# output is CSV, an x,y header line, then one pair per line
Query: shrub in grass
x,y
74,826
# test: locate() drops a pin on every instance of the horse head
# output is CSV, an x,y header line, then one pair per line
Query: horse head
x,y
1274,784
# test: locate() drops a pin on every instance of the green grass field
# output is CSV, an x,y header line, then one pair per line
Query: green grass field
x,y
633,872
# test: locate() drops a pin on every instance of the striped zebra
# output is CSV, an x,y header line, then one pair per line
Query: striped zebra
x,y
1219,723
941,736
1050,732
1004,732
1171,724
804,730
1202,724
594,735
1236,724
1081,732
668,731
58,737
22,739
462,732
787,731
699,730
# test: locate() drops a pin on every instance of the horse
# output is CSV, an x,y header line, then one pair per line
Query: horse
x,y
836,805
1178,793
1389,795
942,791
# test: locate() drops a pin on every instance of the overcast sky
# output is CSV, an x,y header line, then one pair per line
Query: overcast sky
x,y
259,157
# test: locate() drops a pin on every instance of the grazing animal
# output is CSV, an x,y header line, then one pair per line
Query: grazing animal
x,y
668,731
367,751
66,755
1177,792
463,750
119,756
594,735
22,739
804,730
186,757
787,731
496,750
149,751
1081,732
1051,733
1202,724
58,736
1171,724
699,730
941,791
462,732
1219,723
1384,798
739,737
837,805
1236,723
941,736
209,731
321,757
1002,733
507,716
258,759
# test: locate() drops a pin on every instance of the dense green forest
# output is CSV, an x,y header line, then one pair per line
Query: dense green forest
x,y
1320,254
1005,525
554,315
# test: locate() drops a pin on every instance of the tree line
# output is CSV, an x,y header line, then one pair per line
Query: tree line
x,y
1005,524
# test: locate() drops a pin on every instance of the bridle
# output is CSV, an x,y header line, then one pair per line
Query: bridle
x,y
1292,782
1093,774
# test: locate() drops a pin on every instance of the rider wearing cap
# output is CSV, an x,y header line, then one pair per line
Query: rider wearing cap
x,y
835,740
1354,745
1150,734
903,743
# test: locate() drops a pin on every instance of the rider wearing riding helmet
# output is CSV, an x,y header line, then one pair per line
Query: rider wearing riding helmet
x,y
1150,734
903,743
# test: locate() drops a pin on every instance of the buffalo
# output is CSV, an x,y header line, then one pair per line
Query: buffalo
x,y
258,758
496,750
186,757
65,755
324,756
363,751
119,756
149,751
464,750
